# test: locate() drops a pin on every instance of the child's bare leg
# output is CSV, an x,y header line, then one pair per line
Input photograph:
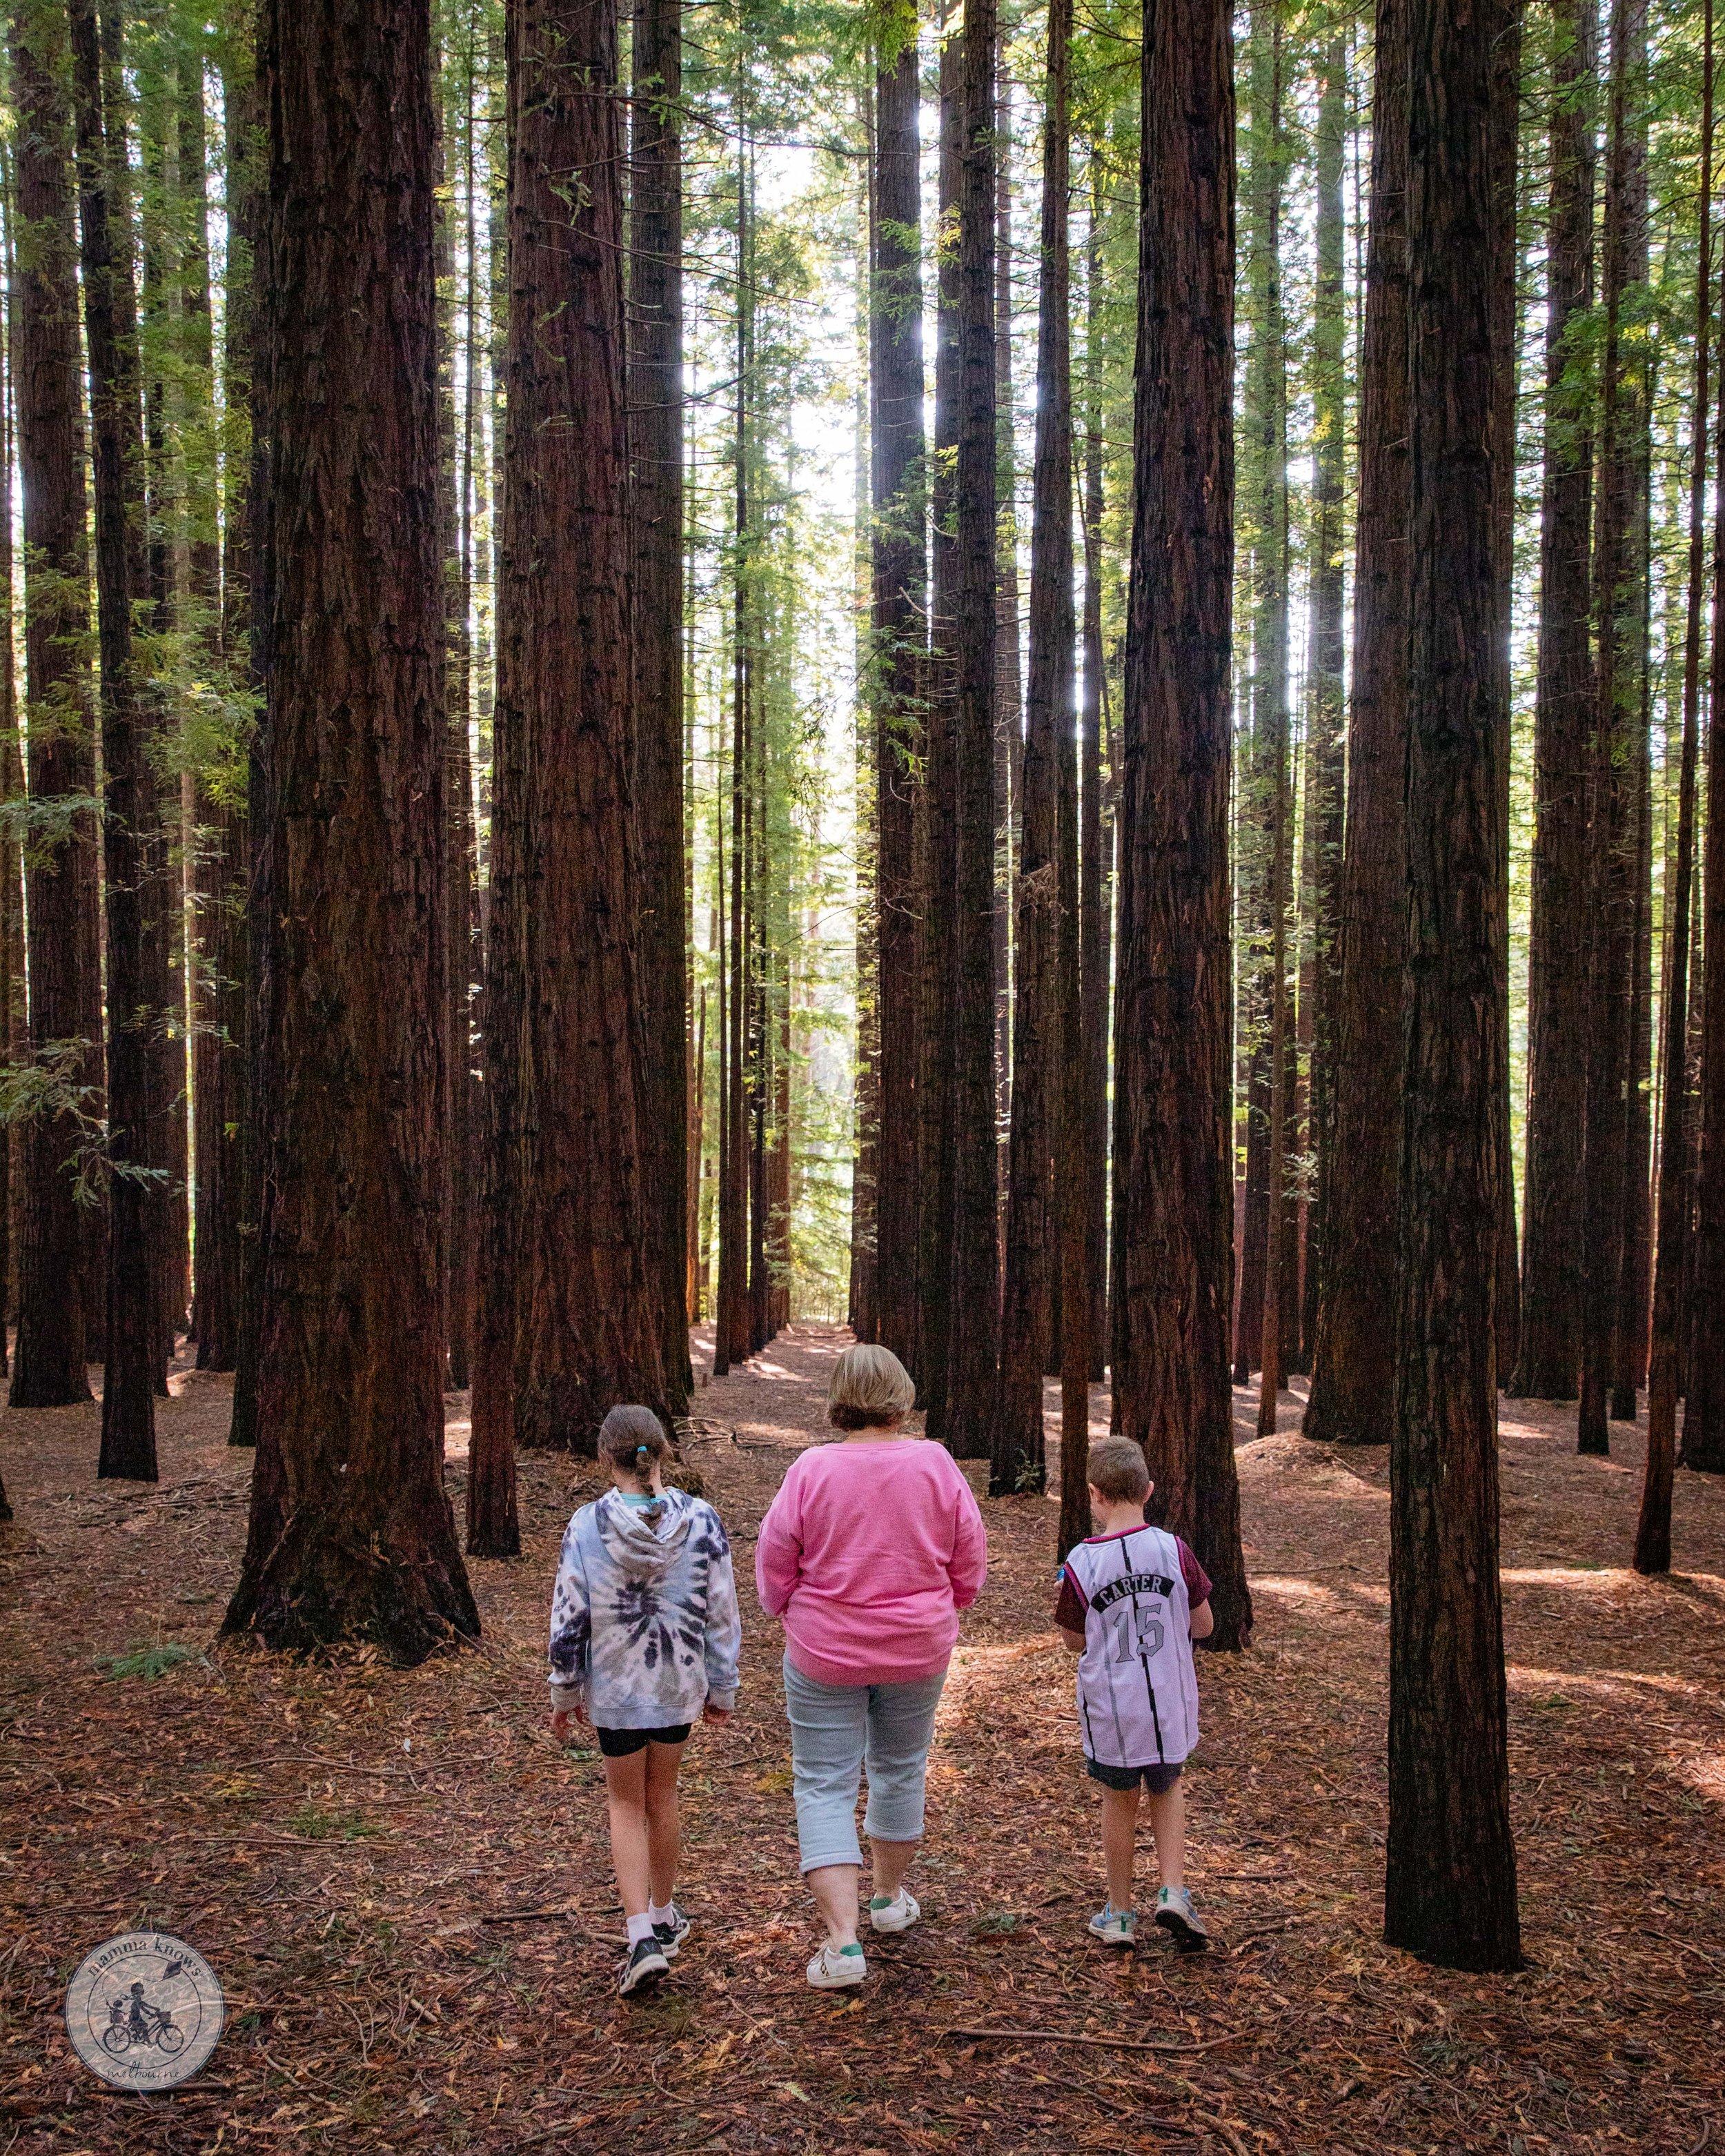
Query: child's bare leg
x,y
1120,1820
664,1762
626,1793
1168,1822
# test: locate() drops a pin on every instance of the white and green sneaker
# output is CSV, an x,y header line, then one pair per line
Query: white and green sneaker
x,y
670,1936
895,1912
835,1967
1175,1913
1115,1928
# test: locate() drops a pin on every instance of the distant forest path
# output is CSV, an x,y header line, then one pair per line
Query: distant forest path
x,y
405,1892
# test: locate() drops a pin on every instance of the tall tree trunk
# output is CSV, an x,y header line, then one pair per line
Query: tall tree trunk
x,y
1353,1368
14,1037
1619,572
53,1293
584,1324
937,806
1450,1893
655,403
1008,676
898,495
1033,1240
1549,1363
128,1447
974,1348
1096,828
351,1532
1321,847
1653,1530
1634,1310
1171,1152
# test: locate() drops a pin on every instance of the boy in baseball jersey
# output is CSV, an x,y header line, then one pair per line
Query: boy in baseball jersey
x,y
1133,1600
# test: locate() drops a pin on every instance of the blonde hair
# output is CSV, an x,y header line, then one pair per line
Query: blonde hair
x,y
871,1390
1116,1470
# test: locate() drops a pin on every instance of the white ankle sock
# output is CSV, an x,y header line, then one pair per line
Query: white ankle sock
x,y
639,1928
660,1916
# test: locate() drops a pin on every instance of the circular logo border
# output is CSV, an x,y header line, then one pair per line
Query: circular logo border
x,y
131,1997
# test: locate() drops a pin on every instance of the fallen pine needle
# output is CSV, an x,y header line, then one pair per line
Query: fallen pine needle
x,y
1072,2036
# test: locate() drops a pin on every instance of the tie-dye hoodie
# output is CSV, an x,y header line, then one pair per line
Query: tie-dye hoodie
x,y
644,1628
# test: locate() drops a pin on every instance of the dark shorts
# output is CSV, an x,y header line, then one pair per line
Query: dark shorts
x,y
1158,1780
623,1744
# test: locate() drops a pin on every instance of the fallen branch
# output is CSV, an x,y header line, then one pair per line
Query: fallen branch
x,y
1072,2036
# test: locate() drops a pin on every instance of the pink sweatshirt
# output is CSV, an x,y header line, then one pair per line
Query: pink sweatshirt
x,y
868,1552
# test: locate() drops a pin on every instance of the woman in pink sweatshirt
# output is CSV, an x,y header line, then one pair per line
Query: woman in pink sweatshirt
x,y
869,1552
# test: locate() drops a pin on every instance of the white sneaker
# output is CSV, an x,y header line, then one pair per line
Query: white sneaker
x,y
1175,1913
835,1967
895,1912
1115,1928
670,1936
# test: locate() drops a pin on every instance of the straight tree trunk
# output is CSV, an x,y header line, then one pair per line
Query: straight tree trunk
x,y
1450,1894
1322,838
351,1534
1035,1243
1353,1366
128,1447
13,1037
1653,1530
1009,674
1096,829
1171,1152
1620,600
1549,1363
1634,1305
975,1336
583,1325
937,806
52,1295
655,401
898,495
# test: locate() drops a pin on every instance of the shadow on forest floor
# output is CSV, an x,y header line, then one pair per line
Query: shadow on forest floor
x,y
403,1884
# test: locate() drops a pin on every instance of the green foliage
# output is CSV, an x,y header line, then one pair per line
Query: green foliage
x,y
148,1662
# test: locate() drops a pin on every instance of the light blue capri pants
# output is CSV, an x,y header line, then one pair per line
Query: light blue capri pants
x,y
835,1729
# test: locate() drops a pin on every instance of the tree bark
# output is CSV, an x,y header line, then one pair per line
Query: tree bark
x,y
351,1532
1171,1153
54,1240
1449,1867
1653,1529
898,494
1095,817
586,1325
136,1201
975,1336
1034,1240
1619,569
656,475
1549,1363
1322,850
1353,1365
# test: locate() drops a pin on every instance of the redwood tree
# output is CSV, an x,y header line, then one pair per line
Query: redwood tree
x,y
54,1242
1353,1362
1172,1152
898,495
351,1532
1549,1362
128,1447
1034,1243
1451,1875
577,1324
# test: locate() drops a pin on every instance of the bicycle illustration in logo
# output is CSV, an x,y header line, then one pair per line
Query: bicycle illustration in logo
x,y
135,2021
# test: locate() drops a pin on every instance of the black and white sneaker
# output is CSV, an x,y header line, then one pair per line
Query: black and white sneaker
x,y
671,1936
645,1960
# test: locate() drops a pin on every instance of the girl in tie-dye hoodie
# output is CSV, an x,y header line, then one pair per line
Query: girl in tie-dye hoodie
x,y
644,1635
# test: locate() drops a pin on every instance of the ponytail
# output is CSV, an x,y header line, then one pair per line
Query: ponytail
x,y
631,1439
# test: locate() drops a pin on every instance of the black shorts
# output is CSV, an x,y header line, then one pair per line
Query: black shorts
x,y
1158,1780
623,1744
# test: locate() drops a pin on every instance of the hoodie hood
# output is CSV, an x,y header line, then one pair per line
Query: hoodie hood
x,y
638,1550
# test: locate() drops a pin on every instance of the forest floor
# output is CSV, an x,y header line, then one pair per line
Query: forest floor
x,y
402,1882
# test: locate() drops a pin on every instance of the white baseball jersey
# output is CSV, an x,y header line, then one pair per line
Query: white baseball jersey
x,y
1137,1690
